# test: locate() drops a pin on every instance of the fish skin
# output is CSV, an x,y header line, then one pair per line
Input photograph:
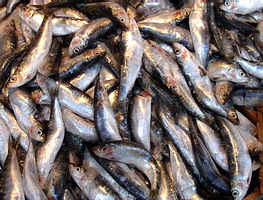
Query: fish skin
x,y
108,9
30,176
219,70
184,182
7,36
4,139
77,125
27,69
92,184
86,77
105,122
247,97
90,162
200,81
129,152
170,75
58,174
223,90
253,68
60,26
141,119
239,161
70,66
199,29
87,34
170,16
126,177
11,185
48,151
15,130
238,7
26,114
167,33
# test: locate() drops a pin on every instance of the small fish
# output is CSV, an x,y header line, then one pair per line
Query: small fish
x,y
223,90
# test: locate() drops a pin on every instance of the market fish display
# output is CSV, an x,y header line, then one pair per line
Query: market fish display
x,y
129,99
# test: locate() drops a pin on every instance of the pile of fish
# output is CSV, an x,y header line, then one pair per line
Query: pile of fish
x,y
129,99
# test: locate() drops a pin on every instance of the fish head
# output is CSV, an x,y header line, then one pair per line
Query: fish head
x,y
222,94
122,17
25,13
15,80
104,151
228,6
185,13
232,116
10,26
77,45
241,75
36,132
238,187
76,172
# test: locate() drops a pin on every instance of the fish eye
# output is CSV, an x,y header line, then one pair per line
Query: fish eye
x,y
177,51
12,79
241,73
12,24
235,193
187,13
76,50
24,8
39,132
96,53
227,3
103,148
223,95
122,20
77,169
234,116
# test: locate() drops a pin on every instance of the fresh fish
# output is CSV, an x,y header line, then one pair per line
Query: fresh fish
x,y
141,119
4,139
200,81
173,17
26,114
77,125
27,69
11,184
86,35
86,77
238,7
223,90
10,121
219,70
214,144
184,182
90,162
126,178
47,152
247,97
239,161
70,13
30,176
108,9
167,33
129,153
254,69
58,176
60,25
7,36
70,66
171,76
199,29
105,122
92,184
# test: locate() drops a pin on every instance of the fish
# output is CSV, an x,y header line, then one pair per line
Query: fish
x,y
4,140
223,90
122,150
141,119
247,97
11,178
30,176
86,35
26,114
27,69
